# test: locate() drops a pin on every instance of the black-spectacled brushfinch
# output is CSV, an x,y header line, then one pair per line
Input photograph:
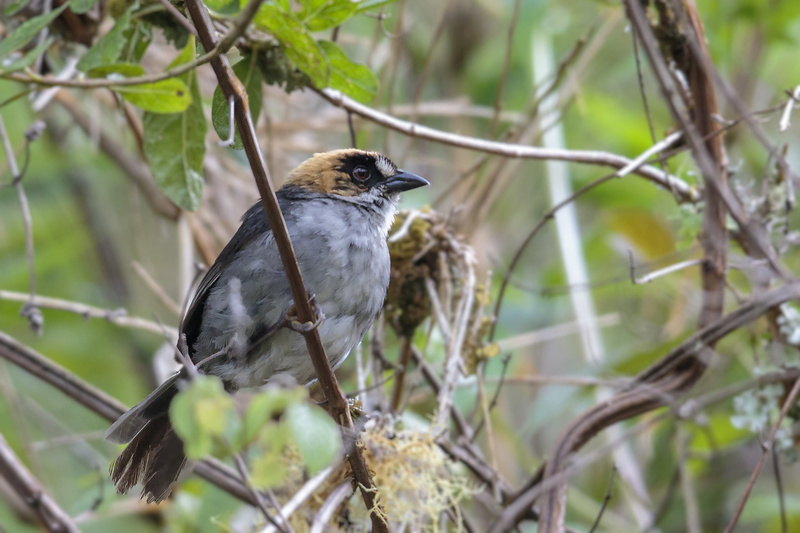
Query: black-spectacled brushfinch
x,y
338,208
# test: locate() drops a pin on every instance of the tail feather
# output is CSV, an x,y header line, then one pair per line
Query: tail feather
x,y
155,453
156,404
163,468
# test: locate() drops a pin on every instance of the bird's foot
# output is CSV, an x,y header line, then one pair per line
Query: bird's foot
x,y
290,320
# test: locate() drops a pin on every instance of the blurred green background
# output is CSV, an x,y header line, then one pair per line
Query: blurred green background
x,y
90,224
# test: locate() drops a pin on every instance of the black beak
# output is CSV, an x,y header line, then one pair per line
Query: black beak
x,y
404,181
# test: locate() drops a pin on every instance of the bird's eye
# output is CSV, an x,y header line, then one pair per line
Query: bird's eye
x,y
361,173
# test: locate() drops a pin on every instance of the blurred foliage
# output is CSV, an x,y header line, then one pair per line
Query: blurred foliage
x,y
91,223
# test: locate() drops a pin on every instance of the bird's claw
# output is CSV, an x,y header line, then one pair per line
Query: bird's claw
x,y
291,322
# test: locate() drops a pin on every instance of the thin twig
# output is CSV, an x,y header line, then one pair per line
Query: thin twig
x,y
178,16
690,502
107,407
660,272
300,496
157,290
501,81
135,168
786,117
606,499
29,309
549,215
521,151
118,317
105,83
257,496
337,496
655,386
776,469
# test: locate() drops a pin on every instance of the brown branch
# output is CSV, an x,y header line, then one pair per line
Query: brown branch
x,y
711,160
30,491
655,388
105,406
115,316
104,83
753,235
135,168
336,403
519,151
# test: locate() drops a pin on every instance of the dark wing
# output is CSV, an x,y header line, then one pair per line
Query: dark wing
x,y
254,223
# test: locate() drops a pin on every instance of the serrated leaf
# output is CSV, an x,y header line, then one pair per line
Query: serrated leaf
x,y
28,59
175,144
319,15
27,31
299,46
354,80
108,48
82,6
163,97
315,434
250,75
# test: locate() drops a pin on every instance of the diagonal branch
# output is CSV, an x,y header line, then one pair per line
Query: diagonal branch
x,y
655,388
337,405
708,152
30,491
105,406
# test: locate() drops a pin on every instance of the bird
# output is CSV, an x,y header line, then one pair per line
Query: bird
x,y
338,207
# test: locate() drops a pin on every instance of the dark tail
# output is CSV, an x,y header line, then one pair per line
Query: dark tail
x,y
155,453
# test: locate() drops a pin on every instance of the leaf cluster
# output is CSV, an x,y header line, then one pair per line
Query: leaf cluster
x,y
174,122
274,423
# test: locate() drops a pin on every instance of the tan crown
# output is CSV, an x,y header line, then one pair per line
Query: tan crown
x,y
321,173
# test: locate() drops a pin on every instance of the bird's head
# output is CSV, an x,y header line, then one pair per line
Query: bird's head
x,y
353,175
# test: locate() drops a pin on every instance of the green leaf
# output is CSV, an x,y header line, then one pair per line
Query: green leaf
x,y
354,80
12,8
201,415
224,7
82,6
315,434
299,46
264,407
372,4
27,31
319,15
166,96
126,70
268,469
28,59
137,39
108,48
175,144
250,75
